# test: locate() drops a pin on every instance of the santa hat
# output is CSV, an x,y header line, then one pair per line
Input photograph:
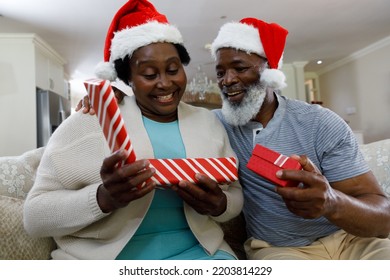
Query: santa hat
x,y
255,36
135,25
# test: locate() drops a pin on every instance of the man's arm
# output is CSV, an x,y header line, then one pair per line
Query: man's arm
x,y
362,208
358,205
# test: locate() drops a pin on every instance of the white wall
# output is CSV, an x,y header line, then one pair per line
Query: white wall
x,y
361,83
17,98
295,79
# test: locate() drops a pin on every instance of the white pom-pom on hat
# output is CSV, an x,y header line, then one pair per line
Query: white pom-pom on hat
x,y
105,71
273,78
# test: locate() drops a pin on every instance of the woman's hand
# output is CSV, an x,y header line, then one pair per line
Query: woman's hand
x,y
206,197
123,185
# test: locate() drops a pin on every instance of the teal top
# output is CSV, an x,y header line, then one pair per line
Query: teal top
x,y
164,232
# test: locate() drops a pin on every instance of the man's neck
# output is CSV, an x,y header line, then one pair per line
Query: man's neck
x,y
268,108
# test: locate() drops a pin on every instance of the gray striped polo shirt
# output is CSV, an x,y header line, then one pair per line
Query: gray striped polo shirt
x,y
296,128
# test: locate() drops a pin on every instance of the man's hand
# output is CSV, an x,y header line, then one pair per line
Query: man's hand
x,y
314,197
87,108
206,198
84,103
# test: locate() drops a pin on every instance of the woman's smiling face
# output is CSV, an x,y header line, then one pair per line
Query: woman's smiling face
x,y
158,80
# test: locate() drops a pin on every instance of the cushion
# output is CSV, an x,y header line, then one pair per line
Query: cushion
x,y
15,243
377,155
17,173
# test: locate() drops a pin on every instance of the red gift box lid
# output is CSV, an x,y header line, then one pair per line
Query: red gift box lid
x,y
265,162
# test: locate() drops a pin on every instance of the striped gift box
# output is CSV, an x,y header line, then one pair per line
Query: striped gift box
x,y
172,171
168,171
265,162
102,98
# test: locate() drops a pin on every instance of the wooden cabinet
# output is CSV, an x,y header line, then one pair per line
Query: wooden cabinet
x,y
26,64
49,67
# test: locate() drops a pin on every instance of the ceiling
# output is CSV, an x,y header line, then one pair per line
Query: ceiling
x,y
328,30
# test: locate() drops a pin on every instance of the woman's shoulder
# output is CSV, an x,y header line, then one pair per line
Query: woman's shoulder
x,y
76,127
195,110
200,115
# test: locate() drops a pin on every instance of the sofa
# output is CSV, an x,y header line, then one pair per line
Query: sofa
x,y
17,174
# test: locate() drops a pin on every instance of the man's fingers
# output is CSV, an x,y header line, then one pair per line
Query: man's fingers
x,y
79,105
306,163
86,101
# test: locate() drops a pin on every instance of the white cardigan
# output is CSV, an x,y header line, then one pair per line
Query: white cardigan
x,y
62,202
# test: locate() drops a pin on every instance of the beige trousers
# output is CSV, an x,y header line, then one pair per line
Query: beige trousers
x,y
337,246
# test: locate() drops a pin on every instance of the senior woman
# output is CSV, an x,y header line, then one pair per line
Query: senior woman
x,y
92,208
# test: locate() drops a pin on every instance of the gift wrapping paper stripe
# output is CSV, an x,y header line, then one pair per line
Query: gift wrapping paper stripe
x,y
224,163
281,160
271,155
102,99
171,171
183,170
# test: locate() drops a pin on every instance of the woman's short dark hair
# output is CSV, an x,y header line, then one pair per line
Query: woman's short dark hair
x,y
122,66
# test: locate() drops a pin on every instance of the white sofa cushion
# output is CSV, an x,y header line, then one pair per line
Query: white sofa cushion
x,y
377,155
17,175
15,243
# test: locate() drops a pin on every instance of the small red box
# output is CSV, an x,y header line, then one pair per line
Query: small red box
x,y
266,162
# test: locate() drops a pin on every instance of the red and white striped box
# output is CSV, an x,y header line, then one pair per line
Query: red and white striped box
x,y
102,99
172,171
265,162
168,171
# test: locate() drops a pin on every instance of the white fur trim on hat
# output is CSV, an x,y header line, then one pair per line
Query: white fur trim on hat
x,y
238,36
126,41
273,78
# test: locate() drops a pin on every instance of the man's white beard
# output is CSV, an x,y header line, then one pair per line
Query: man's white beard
x,y
237,114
